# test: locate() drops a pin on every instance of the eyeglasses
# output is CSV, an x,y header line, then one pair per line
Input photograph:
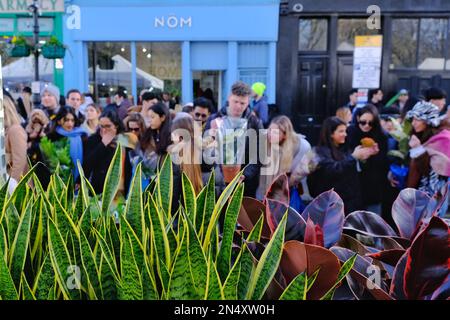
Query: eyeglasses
x,y
133,129
363,123
200,115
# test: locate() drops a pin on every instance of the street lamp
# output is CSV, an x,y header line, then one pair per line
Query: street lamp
x,y
34,9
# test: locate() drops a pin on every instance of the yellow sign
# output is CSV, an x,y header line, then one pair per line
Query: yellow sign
x,y
368,41
20,6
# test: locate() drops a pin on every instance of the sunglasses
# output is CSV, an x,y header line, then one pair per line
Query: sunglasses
x,y
106,126
133,129
363,123
200,115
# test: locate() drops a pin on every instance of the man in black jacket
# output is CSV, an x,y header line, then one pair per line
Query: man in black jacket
x,y
238,111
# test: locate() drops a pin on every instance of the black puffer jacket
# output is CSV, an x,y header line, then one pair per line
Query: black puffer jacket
x,y
252,171
373,175
339,174
96,160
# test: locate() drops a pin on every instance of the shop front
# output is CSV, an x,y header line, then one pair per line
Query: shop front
x,y
183,47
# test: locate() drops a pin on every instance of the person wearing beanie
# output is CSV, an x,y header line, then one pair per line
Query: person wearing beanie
x,y
260,106
50,101
437,97
430,149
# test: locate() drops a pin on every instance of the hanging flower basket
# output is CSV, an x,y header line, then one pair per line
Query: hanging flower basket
x,y
19,51
53,52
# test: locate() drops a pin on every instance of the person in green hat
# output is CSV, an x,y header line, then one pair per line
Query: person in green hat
x,y
260,106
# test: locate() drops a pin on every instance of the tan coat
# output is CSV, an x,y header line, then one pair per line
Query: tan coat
x,y
16,151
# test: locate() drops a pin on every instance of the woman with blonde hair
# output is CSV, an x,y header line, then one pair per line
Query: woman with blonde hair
x,y
15,141
345,114
285,149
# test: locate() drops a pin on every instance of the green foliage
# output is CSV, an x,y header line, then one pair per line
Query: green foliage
x,y
57,156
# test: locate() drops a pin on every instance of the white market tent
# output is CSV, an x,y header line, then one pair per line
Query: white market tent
x,y
22,71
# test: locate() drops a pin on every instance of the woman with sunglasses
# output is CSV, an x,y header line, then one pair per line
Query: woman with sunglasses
x,y
373,171
135,124
99,152
337,166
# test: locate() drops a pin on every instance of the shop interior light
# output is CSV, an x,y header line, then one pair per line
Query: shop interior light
x,y
144,50
122,49
149,55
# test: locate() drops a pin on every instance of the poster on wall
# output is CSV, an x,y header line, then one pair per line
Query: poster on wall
x,y
367,61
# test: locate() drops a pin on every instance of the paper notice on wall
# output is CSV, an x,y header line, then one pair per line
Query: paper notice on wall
x,y
367,61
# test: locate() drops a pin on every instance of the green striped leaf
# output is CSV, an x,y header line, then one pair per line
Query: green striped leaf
x,y
108,281
11,220
345,269
268,264
215,290
181,284
297,288
131,284
231,215
45,279
3,199
218,209
134,209
62,264
160,239
112,181
27,293
312,279
149,289
7,289
3,243
206,211
189,197
230,286
165,186
19,247
138,249
19,190
255,234
106,253
247,270
90,269
197,261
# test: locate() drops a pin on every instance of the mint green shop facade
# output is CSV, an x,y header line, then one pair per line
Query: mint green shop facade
x,y
237,38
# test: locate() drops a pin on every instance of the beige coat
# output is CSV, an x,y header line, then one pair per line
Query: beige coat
x,y
16,151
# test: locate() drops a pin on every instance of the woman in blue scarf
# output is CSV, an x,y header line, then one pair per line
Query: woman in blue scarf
x,y
67,127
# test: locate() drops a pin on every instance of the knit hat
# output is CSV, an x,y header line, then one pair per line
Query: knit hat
x,y
259,88
427,112
52,89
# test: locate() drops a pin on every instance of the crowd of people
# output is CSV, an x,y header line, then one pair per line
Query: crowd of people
x,y
356,155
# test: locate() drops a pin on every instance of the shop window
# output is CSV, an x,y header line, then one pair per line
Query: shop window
x,y
159,66
433,34
252,75
313,34
348,29
112,68
404,43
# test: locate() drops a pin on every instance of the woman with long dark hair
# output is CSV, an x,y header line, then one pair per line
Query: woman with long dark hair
x,y
338,165
373,173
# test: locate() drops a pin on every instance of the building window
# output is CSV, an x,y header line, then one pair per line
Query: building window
x,y
404,43
159,66
112,68
313,34
433,34
420,44
348,29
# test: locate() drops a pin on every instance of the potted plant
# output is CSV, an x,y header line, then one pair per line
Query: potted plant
x,y
53,49
20,47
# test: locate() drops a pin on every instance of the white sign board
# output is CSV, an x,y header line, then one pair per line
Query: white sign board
x,y
367,61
